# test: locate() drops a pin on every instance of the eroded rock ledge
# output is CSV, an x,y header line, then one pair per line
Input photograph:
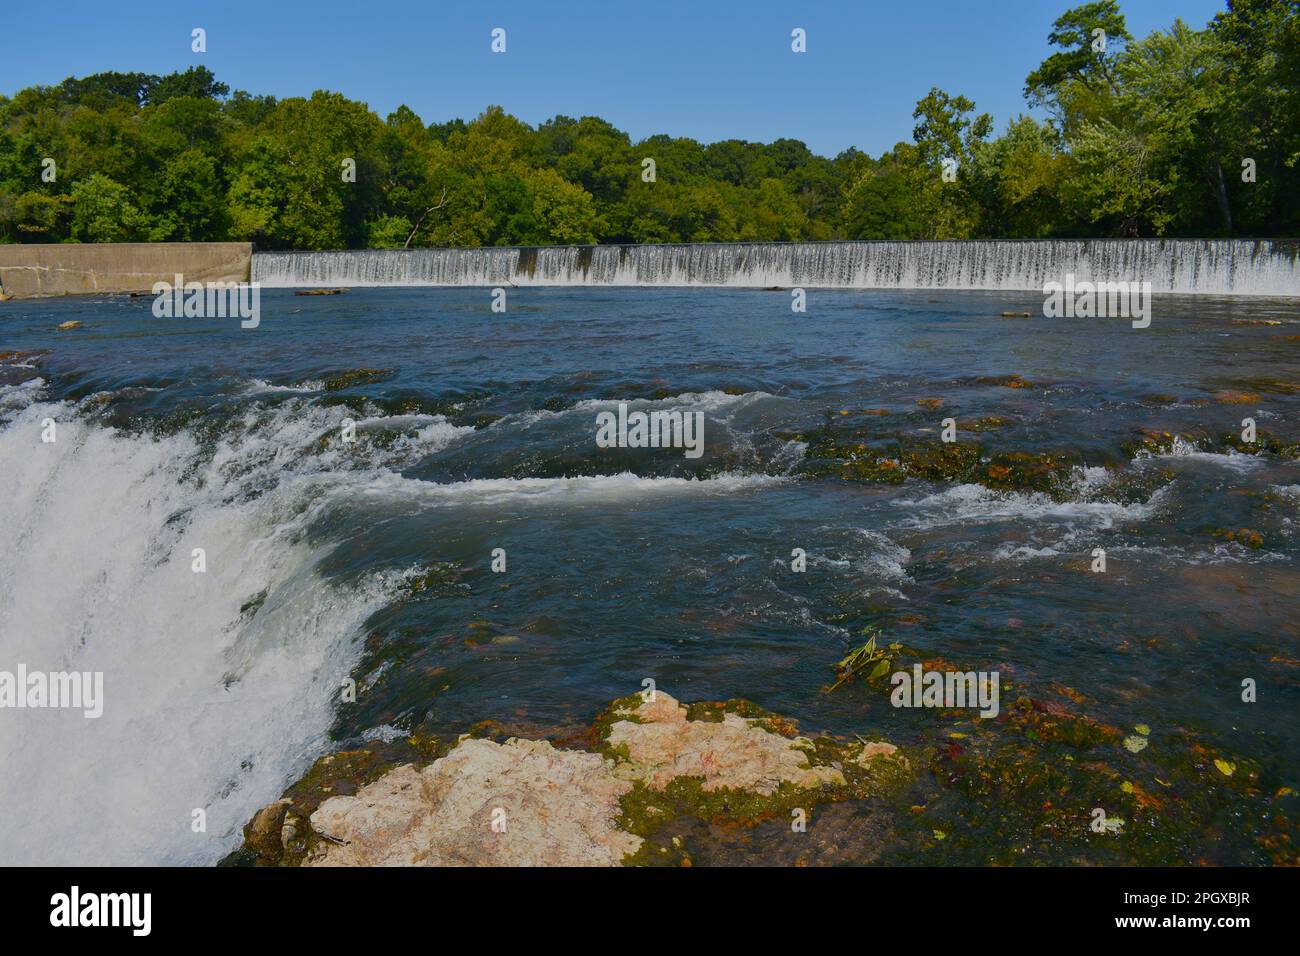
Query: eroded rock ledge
x,y
530,803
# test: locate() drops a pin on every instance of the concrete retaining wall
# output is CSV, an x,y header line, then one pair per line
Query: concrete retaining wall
x,y
80,269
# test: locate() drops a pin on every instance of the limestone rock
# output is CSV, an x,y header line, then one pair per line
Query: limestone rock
x,y
735,753
551,808
878,748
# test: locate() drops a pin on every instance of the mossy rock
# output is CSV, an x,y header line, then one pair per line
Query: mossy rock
x,y
1265,442
357,376
942,461
986,423
1022,471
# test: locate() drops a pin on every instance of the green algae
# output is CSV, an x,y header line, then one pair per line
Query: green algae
x,y
441,579
942,461
985,423
357,376
1026,787
647,812
1025,471
1264,443
864,457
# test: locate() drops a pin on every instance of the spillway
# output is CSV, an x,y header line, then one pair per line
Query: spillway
x,y
1190,266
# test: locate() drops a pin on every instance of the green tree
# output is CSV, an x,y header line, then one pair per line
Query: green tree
x,y
946,133
1075,82
105,211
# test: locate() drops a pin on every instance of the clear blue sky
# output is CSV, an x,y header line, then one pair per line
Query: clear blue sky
x,y
706,70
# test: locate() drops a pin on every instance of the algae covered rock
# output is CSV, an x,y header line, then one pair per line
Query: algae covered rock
x,y
531,803
354,377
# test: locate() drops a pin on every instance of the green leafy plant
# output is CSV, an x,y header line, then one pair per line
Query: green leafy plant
x,y
870,659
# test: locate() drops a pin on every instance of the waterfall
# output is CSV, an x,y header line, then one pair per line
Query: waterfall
x,y
1203,266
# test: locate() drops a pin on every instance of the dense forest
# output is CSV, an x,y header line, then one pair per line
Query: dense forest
x,y
1186,132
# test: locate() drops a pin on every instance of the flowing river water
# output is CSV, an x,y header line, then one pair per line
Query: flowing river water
x,y
475,431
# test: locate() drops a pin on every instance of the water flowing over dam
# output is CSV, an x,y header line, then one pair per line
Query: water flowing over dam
x,y
1198,266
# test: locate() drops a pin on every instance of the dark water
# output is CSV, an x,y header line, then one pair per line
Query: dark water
x,y
477,432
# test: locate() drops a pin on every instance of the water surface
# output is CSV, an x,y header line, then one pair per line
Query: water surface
x,y
476,431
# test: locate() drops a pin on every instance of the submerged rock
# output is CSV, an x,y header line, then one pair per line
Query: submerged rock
x,y
355,377
829,454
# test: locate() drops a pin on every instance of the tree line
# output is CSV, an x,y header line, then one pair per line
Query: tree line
x,y
1187,132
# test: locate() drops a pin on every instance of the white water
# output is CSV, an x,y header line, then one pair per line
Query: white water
x,y
975,504
204,707
617,489
1213,267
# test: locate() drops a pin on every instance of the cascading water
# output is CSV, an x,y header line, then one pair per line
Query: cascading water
x,y
1211,266
216,685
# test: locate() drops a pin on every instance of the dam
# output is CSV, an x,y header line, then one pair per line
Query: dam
x,y
1186,266
1233,267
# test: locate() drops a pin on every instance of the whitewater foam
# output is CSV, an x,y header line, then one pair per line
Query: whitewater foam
x,y
220,686
976,504
1183,450
624,487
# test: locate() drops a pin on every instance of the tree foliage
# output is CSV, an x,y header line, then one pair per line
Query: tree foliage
x,y
1133,137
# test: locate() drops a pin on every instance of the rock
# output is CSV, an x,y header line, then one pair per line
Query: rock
x,y
289,832
67,326
1235,398
984,424
1006,381
880,749
550,808
319,291
942,461
356,376
734,753
1245,536
656,764
263,834
1018,470
875,748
